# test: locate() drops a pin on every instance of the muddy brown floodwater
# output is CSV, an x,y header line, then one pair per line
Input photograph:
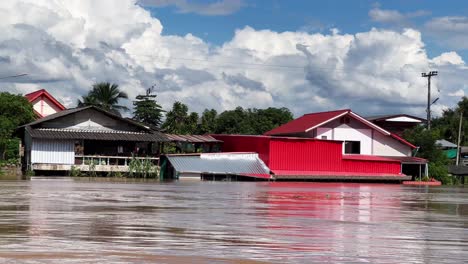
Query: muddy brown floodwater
x,y
66,220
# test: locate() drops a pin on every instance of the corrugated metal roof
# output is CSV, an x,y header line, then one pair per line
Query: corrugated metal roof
x,y
54,133
402,159
80,109
220,163
192,138
445,144
305,122
384,117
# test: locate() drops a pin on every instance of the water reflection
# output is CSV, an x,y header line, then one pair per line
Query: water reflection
x,y
68,220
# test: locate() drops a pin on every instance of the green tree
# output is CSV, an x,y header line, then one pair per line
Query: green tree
x,y
178,121
425,140
448,123
15,110
267,119
234,122
106,96
251,121
147,110
208,122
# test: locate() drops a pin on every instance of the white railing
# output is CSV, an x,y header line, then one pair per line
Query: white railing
x,y
109,160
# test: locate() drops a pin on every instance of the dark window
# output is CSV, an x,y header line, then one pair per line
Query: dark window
x,y
324,137
345,120
352,147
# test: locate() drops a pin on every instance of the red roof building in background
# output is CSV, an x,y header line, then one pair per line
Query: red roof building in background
x,y
44,103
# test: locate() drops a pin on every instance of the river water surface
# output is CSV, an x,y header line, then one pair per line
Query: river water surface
x,y
66,220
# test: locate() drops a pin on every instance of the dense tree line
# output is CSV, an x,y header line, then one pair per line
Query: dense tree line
x,y
238,121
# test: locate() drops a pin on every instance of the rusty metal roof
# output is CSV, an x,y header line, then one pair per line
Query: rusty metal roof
x,y
193,138
55,133
66,112
221,163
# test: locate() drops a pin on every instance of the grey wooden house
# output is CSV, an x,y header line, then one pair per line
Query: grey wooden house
x,y
88,138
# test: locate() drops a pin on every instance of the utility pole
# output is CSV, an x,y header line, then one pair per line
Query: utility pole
x,y
459,138
429,103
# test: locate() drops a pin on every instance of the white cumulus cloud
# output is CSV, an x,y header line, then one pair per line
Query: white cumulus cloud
x,y
222,7
66,46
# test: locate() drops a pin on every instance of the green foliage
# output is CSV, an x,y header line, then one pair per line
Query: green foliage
x,y
439,171
448,123
425,140
147,110
92,168
30,173
106,96
15,110
142,168
208,122
238,121
178,121
75,172
251,121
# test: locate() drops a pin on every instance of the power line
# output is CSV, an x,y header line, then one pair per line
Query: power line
x,y
14,76
230,64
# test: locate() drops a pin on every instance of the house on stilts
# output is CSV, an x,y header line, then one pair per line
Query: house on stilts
x,y
88,138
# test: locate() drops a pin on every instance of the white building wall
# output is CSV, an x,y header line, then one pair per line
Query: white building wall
x,y
387,146
347,133
372,143
44,107
325,133
49,151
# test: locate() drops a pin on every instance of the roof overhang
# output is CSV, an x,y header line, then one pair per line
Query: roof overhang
x,y
327,121
104,135
34,95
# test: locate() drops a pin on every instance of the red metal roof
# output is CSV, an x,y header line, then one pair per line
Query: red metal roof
x,y
409,159
306,122
34,95
313,120
366,157
395,136
385,158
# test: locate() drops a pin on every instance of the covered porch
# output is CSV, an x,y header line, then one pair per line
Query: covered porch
x,y
92,151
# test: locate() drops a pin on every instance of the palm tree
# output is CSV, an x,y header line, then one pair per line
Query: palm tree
x,y
106,96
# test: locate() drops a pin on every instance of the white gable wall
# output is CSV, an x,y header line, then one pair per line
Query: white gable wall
x,y
44,106
89,120
372,142
388,146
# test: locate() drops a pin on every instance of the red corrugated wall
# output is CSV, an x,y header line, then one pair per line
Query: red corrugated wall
x,y
240,143
295,154
305,155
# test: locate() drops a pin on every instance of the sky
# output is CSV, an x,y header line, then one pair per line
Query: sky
x,y
305,55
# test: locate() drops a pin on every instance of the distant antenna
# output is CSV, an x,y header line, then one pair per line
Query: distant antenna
x,y
428,76
150,90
